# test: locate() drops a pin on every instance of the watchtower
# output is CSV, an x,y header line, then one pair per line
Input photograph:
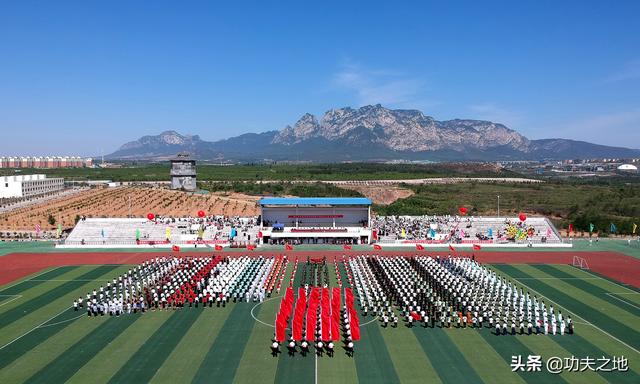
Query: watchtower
x,y
183,172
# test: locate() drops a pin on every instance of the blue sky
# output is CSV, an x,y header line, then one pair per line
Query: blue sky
x,y
83,77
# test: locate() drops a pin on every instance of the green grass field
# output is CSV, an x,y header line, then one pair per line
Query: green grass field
x,y
43,340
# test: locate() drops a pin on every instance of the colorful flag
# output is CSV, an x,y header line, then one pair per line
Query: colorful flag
x,y
218,247
613,228
635,226
570,227
288,247
419,247
377,247
591,227
175,248
403,233
59,229
476,247
102,233
374,234
167,233
137,234
490,232
346,247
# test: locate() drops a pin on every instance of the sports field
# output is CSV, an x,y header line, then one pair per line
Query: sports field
x,y
43,340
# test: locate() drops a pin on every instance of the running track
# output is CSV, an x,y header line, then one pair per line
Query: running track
x,y
622,268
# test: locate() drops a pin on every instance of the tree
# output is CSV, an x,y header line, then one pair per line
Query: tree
x,y
51,219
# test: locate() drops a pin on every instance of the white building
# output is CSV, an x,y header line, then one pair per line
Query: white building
x,y
29,185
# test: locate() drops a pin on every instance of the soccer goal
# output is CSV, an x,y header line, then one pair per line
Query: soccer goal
x,y
580,262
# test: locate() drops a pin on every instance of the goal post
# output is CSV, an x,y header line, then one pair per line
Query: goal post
x,y
580,262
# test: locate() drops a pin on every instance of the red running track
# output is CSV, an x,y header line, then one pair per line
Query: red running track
x,y
622,268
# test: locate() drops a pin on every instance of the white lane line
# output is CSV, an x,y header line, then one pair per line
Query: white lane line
x,y
66,280
61,322
580,317
625,293
316,375
619,299
25,278
24,334
559,278
15,297
256,306
621,285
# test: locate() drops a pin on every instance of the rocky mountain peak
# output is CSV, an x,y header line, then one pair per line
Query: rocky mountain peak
x,y
372,132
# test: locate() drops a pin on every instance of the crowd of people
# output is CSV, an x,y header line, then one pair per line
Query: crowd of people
x,y
173,283
421,290
450,292
414,227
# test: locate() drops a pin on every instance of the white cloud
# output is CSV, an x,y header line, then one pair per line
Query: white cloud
x,y
630,71
381,86
496,114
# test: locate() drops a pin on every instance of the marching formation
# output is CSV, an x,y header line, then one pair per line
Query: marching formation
x,y
443,292
450,292
173,283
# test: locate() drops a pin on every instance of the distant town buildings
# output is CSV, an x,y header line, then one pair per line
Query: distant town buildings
x,y
29,185
45,162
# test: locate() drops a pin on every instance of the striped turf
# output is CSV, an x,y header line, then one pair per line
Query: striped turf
x,y
490,366
29,306
24,367
122,347
26,339
588,340
66,364
41,278
40,288
222,359
19,365
186,357
449,362
401,342
141,367
584,285
578,302
228,345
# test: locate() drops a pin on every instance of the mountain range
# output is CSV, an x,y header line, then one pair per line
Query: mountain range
x,y
371,133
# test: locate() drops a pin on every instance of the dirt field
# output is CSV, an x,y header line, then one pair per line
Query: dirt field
x,y
115,202
380,194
